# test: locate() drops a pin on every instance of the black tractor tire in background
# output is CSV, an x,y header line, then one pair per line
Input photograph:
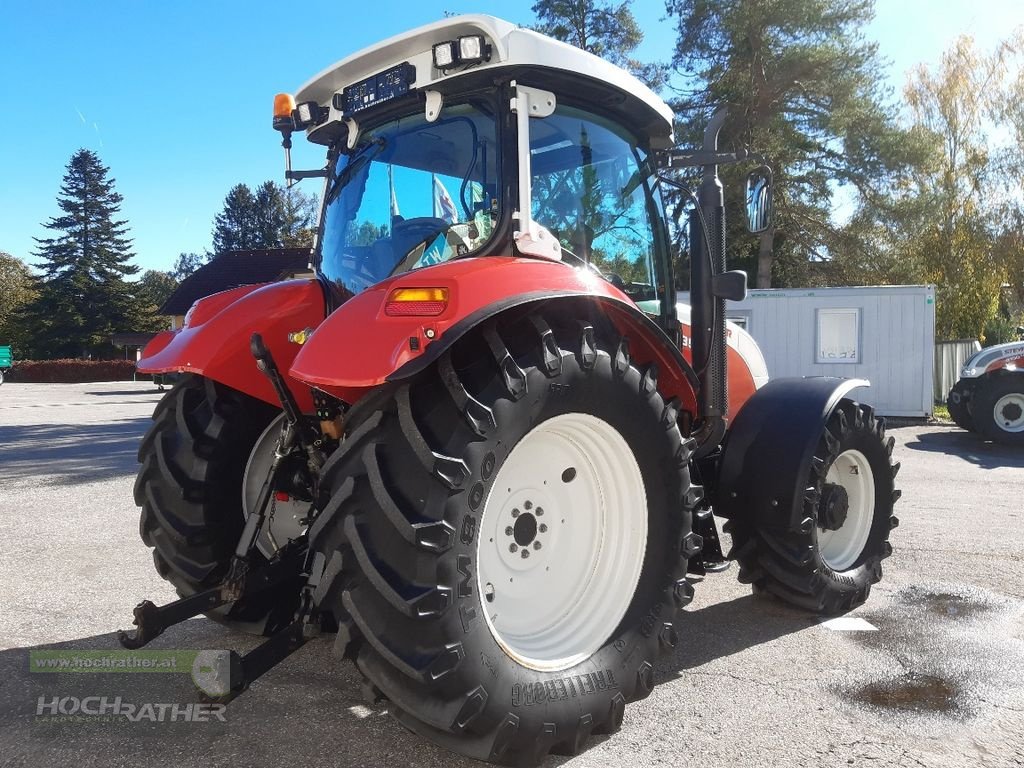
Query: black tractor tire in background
x,y
788,563
190,490
991,389
959,404
408,490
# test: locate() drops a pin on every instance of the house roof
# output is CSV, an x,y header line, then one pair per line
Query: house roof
x,y
233,269
131,339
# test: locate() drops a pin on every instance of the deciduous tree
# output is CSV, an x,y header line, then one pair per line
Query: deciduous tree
x,y
958,233
154,288
17,289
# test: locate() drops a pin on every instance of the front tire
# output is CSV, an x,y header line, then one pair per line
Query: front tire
x,y
999,408
190,489
829,561
418,533
959,404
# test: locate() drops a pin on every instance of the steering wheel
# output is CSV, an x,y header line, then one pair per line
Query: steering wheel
x,y
408,235
415,231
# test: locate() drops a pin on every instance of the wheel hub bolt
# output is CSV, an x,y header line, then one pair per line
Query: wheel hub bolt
x,y
543,527
540,511
528,505
536,545
515,513
525,553
512,547
508,530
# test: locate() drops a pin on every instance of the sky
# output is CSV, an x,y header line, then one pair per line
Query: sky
x,y
176,97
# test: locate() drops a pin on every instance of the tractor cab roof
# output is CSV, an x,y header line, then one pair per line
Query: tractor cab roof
x,y
537,60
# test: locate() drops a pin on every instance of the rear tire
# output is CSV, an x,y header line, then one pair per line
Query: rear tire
x,y
828,563
959,404
190,490
999,408
413,528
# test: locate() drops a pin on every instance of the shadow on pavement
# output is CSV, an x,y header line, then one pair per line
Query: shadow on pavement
x,y
68,454
308,707
969,447
729,627
147,391
307,711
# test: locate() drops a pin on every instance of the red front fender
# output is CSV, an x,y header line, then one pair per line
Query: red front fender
x,y
215,341
359,346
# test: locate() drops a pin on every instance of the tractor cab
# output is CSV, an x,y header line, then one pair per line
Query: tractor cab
x,y
471,138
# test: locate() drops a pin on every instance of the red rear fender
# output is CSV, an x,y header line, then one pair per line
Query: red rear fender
x,y
359,346
215,340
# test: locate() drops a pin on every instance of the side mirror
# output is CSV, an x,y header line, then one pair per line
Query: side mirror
x,y
759,199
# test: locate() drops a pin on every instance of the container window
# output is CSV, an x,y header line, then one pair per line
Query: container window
x,y
838,336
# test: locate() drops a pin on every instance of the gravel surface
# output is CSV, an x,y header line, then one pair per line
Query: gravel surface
x,y
752,682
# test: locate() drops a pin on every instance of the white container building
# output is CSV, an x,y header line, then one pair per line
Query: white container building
x,y
885,334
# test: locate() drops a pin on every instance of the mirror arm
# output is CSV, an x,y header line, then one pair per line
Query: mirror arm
x,y
299,175
685,158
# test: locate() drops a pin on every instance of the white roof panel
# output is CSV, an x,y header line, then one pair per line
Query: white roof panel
x,y
511,46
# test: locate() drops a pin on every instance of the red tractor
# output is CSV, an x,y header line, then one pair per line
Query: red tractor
x,y
480,448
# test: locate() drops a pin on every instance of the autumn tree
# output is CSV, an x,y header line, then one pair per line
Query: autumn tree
x,y
17,289
1010,166
84,296
957,201
803,87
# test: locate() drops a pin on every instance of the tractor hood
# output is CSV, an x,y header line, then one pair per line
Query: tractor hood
x,y
1008,355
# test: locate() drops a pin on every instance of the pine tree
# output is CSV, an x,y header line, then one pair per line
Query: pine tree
x,y
83,295
804,87
186,264
603,28
235,227
272,217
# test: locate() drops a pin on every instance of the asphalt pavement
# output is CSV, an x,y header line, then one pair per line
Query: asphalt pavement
x,y
930,675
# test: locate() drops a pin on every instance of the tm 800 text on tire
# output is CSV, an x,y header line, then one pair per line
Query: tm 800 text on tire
x,y
828,563
190,489
506,538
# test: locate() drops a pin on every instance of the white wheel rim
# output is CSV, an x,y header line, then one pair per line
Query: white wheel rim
x,y
284,525
573,487
841,548
1008,412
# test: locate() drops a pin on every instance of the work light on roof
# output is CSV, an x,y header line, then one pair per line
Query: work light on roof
x,y
468,49
471,49
308,113
444,55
